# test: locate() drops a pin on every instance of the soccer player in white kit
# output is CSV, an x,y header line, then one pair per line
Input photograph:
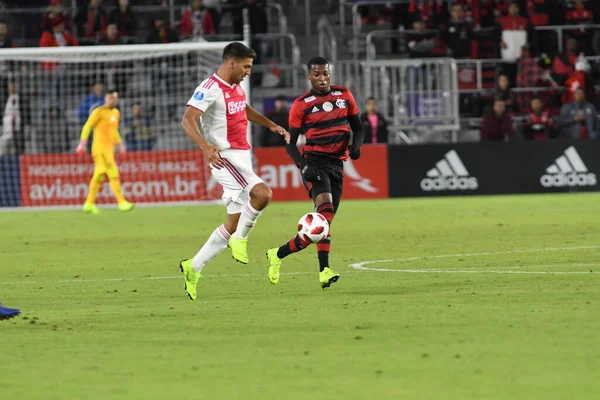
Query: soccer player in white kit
x,y
220,104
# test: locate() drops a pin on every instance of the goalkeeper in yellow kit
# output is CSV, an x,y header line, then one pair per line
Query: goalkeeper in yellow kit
x,y
104,120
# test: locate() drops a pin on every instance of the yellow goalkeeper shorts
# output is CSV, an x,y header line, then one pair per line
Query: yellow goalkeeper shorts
x,y
104,163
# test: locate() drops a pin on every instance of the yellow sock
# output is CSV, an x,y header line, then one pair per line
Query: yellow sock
x,y
115,185
95,185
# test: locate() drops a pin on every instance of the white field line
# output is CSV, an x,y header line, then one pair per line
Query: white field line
x,y
486,253
361,267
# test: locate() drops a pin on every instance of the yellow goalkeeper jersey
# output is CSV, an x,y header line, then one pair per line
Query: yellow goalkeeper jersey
x,y
105,123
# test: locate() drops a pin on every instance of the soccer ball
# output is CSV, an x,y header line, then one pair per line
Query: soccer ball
x,y
313,227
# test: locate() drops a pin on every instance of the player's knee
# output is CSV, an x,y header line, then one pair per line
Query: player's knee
x,y
261,196
113,173
98,176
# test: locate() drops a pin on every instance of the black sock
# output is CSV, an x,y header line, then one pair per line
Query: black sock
x,y
294,245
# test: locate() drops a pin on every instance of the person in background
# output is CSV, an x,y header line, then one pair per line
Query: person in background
x,y
6,67
55,131
505,93
498,124
539,124
515,34
162,32
91,20
124,17
564,63
457,34
280,115
54,14
579,119
15,117
580,78
55,74
139,135
196,20
111,37
94,99
374,124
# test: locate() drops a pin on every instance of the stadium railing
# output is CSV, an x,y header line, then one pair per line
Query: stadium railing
x,y
327,40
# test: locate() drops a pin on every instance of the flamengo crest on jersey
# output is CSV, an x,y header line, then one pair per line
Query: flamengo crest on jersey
x,y
224,119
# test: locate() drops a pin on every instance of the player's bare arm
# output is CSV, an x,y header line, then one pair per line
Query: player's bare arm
x,y
256,117
191,127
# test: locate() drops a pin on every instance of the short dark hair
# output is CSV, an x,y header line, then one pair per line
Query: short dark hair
x,y
536,98
316,61
280,97
111,91
371,98
238,51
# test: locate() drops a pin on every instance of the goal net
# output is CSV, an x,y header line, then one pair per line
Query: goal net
x,y
46,95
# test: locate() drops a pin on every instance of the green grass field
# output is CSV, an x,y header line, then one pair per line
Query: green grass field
x,y
484,298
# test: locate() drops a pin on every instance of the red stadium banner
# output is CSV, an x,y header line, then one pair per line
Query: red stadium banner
x,y
365,178
153,176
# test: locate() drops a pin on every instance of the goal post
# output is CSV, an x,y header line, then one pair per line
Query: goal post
x,y
46,95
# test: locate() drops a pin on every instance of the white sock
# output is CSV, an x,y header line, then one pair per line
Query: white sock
x,y
246,222
216,243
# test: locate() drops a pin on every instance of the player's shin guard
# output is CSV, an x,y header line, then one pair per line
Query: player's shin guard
x,y
216,243
293,246
323,247
247,220
95,185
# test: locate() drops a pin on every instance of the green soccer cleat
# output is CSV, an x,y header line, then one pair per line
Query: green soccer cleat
x,y
327,277
90,208
191,278
239,249
274,265
125,206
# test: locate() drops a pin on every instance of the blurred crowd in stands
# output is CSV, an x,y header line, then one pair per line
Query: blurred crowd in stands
x,y
553,91
51,23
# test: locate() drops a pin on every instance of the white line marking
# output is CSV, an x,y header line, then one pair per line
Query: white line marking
x,y
487,253
361,266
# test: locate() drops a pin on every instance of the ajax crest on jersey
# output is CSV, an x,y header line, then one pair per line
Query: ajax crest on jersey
x,y
199,96
313,227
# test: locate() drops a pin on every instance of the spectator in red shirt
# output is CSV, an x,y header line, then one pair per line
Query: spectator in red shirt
x,y
578,79
196,20
91,20
54,14
539,124
498,124
539,12
124,18
515,35
581,16
564,63
54,73
431,12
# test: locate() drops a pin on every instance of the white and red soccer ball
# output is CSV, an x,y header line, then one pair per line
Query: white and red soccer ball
x,y
313,227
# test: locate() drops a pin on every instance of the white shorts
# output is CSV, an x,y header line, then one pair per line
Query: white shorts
x,y
237,178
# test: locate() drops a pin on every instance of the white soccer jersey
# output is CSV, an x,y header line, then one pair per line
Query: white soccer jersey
x,y
224,121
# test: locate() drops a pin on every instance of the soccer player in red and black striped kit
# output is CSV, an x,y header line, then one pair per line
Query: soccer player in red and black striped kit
x,y
325,114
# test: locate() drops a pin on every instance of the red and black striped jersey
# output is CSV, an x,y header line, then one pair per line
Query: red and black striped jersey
x,y
324,121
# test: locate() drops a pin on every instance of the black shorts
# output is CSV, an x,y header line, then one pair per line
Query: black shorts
x,y
331,172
